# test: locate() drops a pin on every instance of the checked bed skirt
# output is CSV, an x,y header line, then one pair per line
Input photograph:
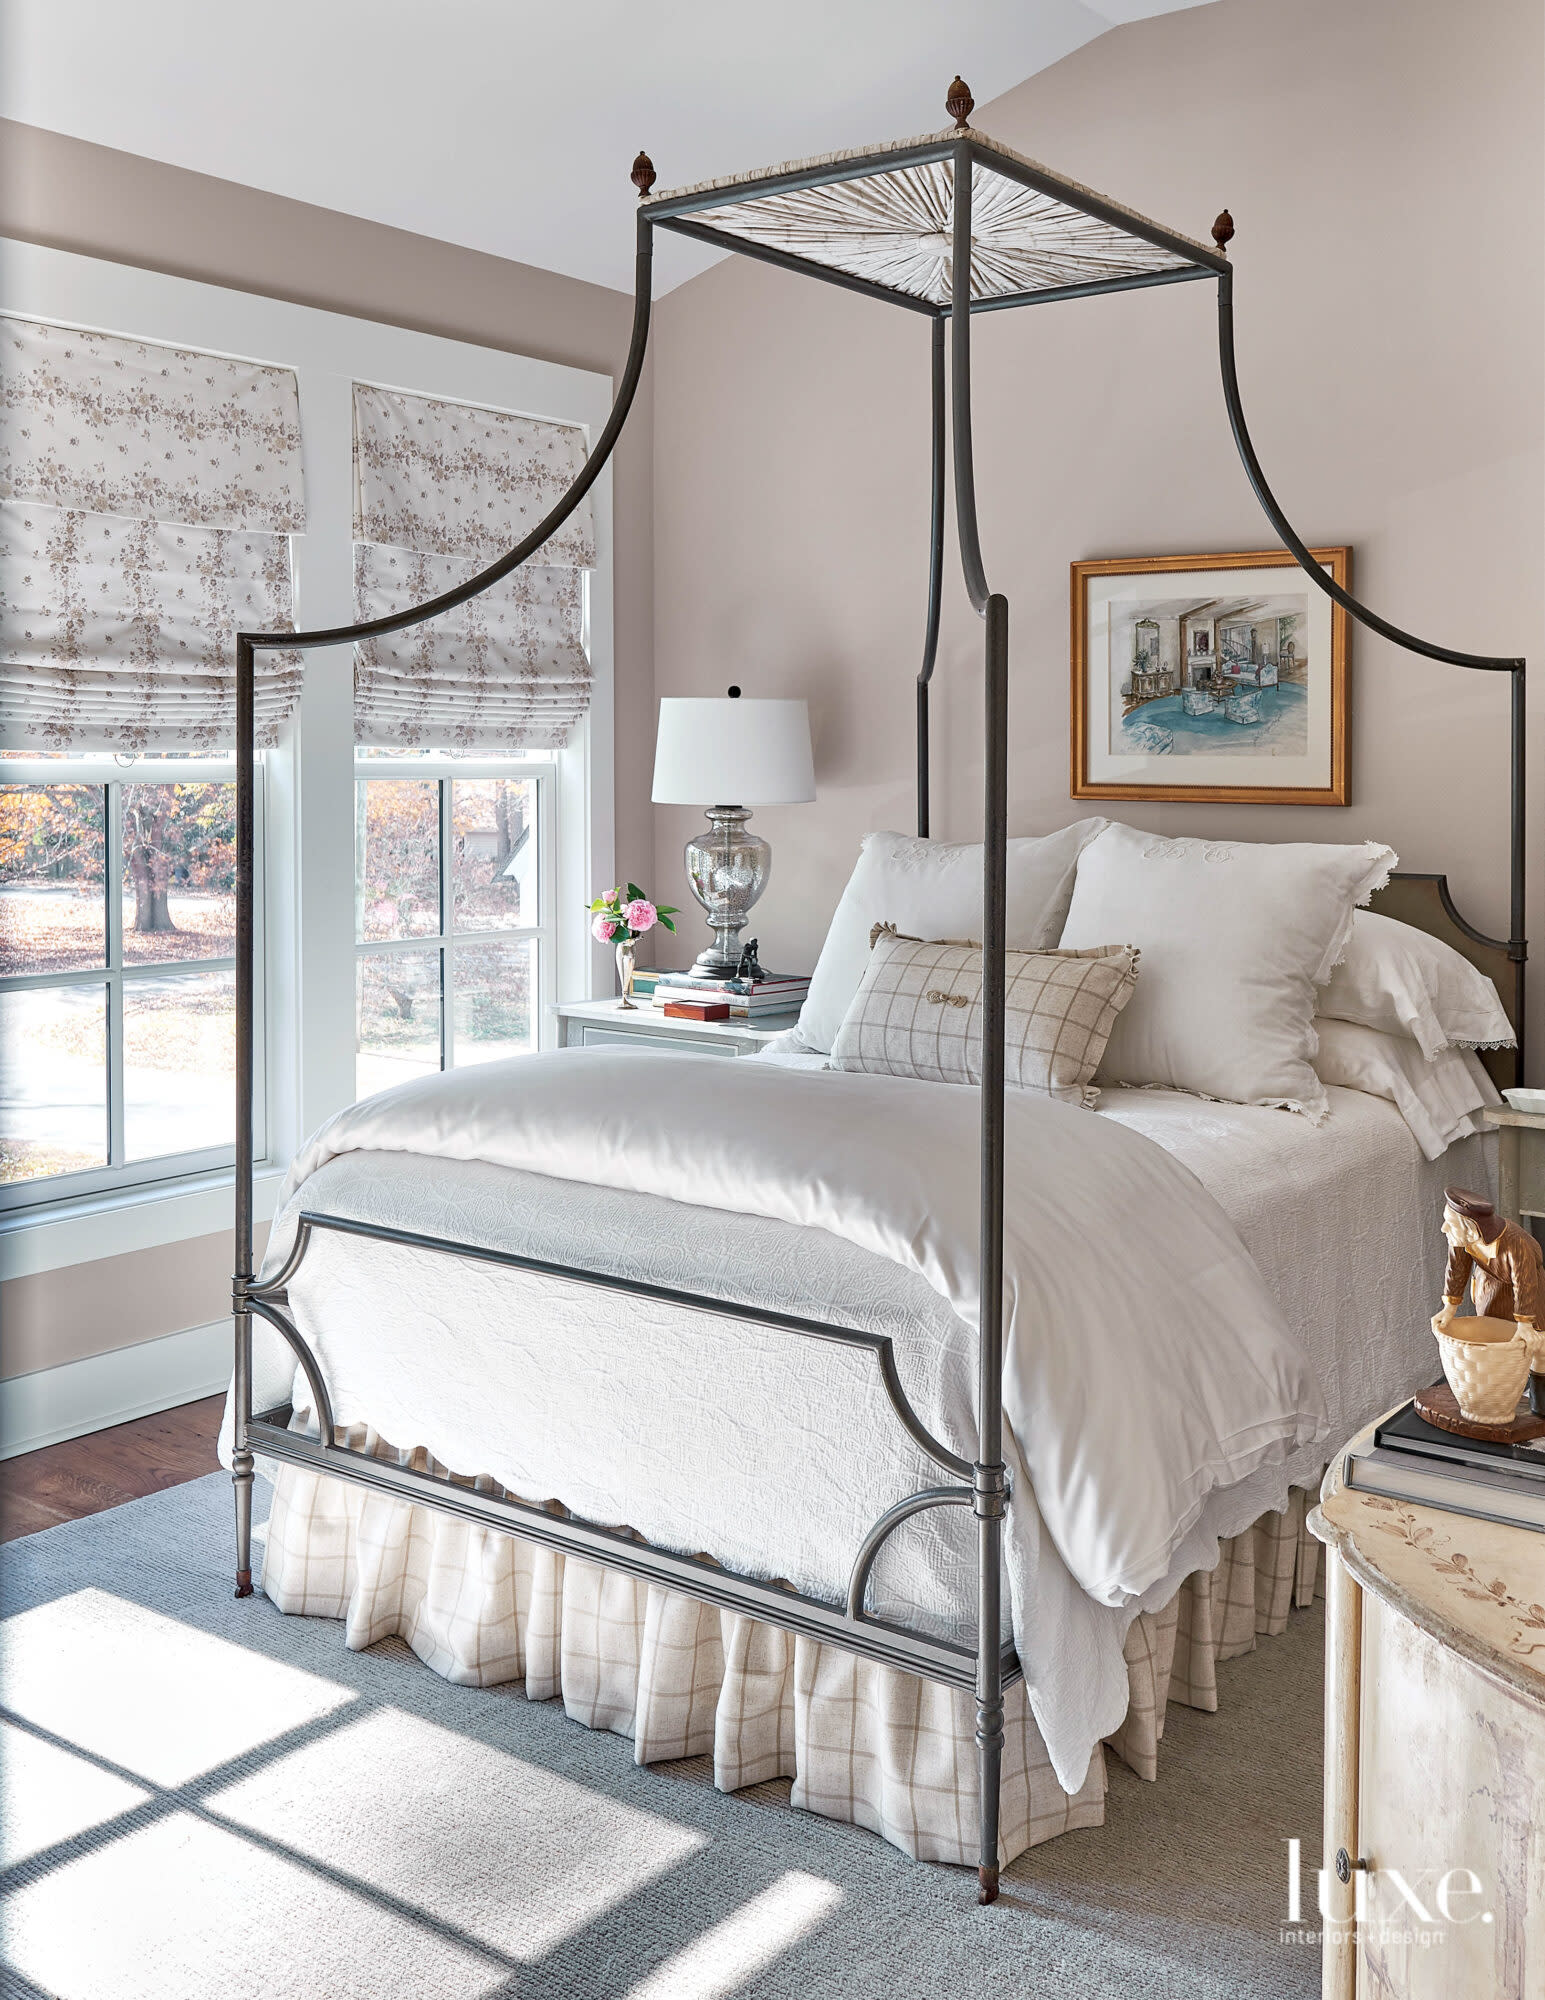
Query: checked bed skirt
x,y
863,1743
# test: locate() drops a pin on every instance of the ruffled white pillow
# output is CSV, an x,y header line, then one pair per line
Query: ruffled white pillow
x,y
1403,982
933,889
1235,938
1440,1097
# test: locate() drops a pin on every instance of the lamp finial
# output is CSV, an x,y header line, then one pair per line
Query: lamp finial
x,y
959,103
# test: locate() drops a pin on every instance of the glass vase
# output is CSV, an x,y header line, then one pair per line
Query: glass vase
x,y
625,953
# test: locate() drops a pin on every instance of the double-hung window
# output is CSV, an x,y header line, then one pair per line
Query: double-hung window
x,y
149,494
458,723
152,503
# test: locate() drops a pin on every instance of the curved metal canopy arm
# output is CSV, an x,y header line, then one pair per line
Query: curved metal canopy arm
x,y
960,386
397,621
935,573
1516,944
1484,662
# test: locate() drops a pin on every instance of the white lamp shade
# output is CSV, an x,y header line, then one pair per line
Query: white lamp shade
x,y
724,752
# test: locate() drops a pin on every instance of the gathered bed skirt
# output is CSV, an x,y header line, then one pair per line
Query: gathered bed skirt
x,y
864,1743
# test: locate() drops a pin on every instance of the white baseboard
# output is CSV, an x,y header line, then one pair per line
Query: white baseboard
x,y
80,1396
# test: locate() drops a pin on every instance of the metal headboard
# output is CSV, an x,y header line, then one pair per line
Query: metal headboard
x,y
1424,902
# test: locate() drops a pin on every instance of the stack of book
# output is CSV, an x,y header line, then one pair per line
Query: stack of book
x,y
774,994
1406,1458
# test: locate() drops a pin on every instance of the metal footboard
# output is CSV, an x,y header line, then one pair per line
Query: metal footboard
x,y
845,1624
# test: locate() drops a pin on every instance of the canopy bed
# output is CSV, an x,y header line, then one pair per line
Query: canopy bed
x,y
946,226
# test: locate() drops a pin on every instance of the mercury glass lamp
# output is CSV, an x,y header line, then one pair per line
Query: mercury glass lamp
x,y
729,749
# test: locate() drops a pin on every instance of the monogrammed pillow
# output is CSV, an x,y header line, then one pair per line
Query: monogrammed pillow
x,y
918,1012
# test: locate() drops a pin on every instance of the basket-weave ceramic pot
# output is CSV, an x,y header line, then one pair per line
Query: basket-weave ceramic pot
x,y
1486,1362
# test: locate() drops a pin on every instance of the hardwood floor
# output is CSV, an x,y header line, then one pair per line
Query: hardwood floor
x,y
64,1482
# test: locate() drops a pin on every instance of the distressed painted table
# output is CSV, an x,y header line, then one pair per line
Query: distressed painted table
x,y
1520,1161
1434,1752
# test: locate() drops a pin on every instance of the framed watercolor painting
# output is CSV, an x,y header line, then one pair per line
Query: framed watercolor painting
x,y
1210,677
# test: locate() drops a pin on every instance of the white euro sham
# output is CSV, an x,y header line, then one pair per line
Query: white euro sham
x,y
1235,938
933,889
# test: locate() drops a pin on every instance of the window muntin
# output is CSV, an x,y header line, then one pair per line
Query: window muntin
x,y
117,994
453,914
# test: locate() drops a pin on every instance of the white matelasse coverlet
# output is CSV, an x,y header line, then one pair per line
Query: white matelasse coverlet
x,y
1148,1372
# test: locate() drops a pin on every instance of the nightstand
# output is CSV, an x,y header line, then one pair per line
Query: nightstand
x,y
1434,1748
1520,1161
602,1023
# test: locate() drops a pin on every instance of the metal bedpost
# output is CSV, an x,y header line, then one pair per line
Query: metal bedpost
x,y
935,575
241,1451
988,1484
247,645
1515,944
989,1480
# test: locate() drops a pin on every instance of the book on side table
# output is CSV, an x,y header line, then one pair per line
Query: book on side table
x,y
747,999
1406,1458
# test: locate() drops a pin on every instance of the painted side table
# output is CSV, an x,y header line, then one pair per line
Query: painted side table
x,y
1520,1161
1434,1751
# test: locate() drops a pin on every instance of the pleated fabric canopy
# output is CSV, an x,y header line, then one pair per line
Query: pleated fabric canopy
x,y
881,219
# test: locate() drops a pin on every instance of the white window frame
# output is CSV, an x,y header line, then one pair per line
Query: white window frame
x,y
308,968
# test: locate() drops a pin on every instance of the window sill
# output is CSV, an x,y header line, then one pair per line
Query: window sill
x,y
109,1225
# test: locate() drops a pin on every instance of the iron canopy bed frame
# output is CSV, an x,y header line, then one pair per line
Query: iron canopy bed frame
x,y
948,226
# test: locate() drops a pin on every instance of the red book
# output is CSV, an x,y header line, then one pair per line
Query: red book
x,y
697,1010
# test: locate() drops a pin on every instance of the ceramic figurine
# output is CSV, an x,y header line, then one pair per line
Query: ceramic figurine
x,y
1505,1268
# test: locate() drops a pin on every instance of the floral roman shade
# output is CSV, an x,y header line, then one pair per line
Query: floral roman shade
x,y
440,491
146,499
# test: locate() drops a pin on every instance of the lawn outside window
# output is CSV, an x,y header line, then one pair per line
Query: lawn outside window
x,y
454,910
117,973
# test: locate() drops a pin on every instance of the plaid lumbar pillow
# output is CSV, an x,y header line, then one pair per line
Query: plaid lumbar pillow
x,y
918,1012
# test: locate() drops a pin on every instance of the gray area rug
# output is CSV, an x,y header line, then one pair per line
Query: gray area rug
x,y
204,1800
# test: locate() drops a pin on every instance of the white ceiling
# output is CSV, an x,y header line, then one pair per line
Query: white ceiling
x,y
507,126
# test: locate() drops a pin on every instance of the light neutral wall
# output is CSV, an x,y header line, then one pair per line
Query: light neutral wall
x,y
52,1317
1383,163
99,202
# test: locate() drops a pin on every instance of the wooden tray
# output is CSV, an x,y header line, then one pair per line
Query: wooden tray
x,y
1440,1406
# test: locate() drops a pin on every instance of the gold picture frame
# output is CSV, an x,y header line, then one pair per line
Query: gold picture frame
x,y
1196,694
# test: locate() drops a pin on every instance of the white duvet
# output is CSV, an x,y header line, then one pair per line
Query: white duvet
x,y
1149,1378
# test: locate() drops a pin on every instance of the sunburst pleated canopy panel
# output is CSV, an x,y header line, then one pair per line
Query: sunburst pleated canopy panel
x,y
885,218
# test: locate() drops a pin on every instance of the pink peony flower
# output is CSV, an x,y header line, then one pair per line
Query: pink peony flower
x,y
604,928
640,915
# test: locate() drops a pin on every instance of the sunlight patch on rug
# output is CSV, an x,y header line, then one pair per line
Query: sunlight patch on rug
x,y
724,1960
158,1698
184,1911
48,1796
506,1852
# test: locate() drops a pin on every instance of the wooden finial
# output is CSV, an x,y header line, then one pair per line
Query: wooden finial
x,y
959,103
1222,230
643,175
